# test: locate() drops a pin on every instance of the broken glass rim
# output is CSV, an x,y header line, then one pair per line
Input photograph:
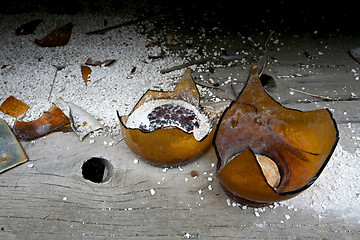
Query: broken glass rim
x,y
123,120
307,185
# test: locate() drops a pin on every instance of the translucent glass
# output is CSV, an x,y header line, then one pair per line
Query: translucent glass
x,y
299,143
168,146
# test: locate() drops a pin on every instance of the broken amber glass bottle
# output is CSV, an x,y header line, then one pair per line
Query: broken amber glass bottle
x,y
268,153
169,128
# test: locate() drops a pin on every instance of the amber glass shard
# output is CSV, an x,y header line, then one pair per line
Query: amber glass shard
x,y
299,143
168,146
165,147
185,90
57,37
14,107
85,72
50,121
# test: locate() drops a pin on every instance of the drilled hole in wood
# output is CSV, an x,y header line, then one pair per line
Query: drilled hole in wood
x,y
97,170
268,82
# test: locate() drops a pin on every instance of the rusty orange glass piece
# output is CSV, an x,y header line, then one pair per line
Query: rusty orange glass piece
x,y
14,107
86,71
58,37
255,128
50,121
170,145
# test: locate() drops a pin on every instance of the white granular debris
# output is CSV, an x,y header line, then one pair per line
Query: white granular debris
x,y
336,190
65,198
136,161
287,217
91,141
257,214
30,165
139,117
210,188
30,70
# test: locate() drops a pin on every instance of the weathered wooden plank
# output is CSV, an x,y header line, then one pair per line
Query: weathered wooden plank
x,y
53,200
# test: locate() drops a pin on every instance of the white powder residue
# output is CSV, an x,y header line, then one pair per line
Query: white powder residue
x,y
337,190
28,70
139,117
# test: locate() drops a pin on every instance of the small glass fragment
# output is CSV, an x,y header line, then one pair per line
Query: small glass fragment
x,y
169,128
49,122
355,53
11,152
106,63
28,28
268,153
86,71
14,107
81,121
58,37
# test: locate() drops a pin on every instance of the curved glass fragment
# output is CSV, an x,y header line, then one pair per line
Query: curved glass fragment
x,y
49,122
169,128
268,153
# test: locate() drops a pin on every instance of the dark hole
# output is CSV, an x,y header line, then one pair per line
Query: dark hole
x,y
97,170
267,81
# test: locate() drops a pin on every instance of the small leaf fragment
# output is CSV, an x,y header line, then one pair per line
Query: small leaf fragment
x,y
47,123
58,37
28,28
14,107
86,71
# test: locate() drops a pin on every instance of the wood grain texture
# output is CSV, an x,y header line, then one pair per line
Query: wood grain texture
x,y
52,200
